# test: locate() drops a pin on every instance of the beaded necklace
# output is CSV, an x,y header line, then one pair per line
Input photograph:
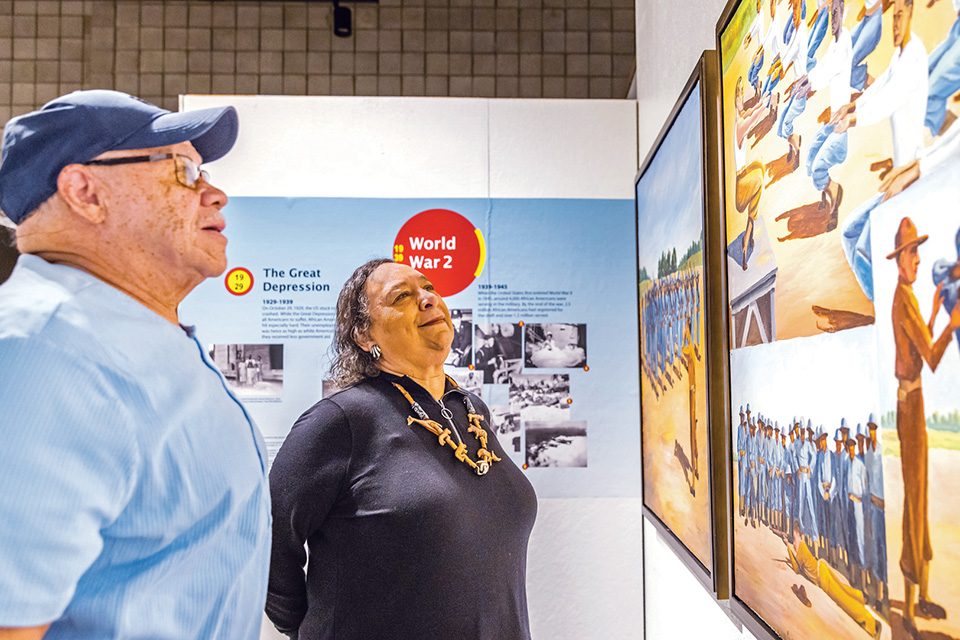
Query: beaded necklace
x,y
486,458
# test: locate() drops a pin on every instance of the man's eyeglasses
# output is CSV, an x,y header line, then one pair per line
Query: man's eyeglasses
x,y
187,171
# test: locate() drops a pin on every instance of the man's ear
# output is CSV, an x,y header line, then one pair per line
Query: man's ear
x,y
80,190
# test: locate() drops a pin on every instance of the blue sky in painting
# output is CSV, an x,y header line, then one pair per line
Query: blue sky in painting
x,y
670,192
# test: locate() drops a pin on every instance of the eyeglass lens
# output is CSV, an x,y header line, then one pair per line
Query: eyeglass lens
x,y
188,173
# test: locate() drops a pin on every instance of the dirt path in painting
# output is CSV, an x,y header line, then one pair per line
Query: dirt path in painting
x,y
812,269
944,516
666,452
764,581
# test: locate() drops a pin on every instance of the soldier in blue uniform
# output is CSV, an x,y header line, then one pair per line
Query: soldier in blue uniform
x,y
760,473
856,489
763,434
807,461
742,435
789,474
795,443
838,511
752,458
877,549
825,484
696,300
776,475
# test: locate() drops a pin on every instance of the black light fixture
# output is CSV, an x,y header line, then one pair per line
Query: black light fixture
x,y
342,16
342,21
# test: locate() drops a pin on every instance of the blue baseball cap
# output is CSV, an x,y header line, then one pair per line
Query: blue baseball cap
x,y
79,126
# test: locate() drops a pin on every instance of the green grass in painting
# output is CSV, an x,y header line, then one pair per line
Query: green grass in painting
x,y
936,439
736,30
695,260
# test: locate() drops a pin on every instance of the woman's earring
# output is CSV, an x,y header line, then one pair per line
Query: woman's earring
x,y
375,352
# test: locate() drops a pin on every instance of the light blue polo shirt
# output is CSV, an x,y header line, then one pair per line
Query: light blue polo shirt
x,y
133,486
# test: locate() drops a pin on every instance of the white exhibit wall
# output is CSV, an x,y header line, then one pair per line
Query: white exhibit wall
x,y
585,565
671,36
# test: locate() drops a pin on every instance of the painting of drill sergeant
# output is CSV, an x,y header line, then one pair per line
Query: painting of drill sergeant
x,y
916,275
830,107
840,155
670,224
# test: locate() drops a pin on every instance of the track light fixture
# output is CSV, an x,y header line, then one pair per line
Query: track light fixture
x,y
342,21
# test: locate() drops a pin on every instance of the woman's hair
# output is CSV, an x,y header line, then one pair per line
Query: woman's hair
x,y
351,364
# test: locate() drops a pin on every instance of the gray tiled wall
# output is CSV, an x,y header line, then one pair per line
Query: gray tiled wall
x,y
157,49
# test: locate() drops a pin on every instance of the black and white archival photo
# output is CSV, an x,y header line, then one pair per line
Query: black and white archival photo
x,y
253,371
506,424
505,420
556,346
461,351
499,351
556,444
543,397
468,380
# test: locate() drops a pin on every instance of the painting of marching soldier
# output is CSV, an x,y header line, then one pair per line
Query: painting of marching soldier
x,y
810,533
830,107
670,235
916,276
555,345
253,371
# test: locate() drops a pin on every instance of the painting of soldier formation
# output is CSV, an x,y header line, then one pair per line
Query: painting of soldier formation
x,y
841,157
670,210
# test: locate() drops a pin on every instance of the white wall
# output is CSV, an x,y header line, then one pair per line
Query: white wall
x,y
671,35
585,560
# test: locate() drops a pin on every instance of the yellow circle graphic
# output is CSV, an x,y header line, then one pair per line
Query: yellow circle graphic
x,y
239,281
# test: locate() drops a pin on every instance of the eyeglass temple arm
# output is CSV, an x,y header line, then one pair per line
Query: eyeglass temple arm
x,y
132,159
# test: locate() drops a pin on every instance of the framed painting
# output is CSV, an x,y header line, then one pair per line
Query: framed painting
x,y
682,333
840,215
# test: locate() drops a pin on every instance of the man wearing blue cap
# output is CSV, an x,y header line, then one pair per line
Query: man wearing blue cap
x,y
134,498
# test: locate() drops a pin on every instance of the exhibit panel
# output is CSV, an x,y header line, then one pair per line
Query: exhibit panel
x,y
536,338
682,346
545,331
837,128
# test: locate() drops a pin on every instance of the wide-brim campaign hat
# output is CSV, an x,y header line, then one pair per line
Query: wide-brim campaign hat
x,y
906,237
79,126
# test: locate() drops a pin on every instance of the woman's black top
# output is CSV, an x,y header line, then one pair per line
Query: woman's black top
x,y
405,541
